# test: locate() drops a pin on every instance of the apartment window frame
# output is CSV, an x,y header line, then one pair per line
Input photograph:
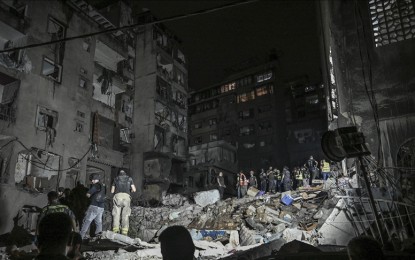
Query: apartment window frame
x,y
43,117
57,79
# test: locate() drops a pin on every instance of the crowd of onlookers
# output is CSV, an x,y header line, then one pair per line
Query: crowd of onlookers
x,y
274,180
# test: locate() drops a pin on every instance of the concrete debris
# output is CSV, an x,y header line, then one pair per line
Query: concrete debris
x,y
220,228
252,192
205,198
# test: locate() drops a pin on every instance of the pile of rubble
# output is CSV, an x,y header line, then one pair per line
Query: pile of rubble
x,y
220,228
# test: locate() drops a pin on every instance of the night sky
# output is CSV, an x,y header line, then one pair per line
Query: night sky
x,y
216,41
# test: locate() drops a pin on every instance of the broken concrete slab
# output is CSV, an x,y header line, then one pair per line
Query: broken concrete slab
x,y
205,198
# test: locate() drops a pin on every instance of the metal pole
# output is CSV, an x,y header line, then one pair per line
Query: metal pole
x,y
371,199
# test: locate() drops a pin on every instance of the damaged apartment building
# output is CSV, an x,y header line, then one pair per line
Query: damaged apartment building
x,y
250,120
369,53
92,104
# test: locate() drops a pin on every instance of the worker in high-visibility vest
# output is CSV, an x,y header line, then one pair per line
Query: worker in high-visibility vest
x,y
325,169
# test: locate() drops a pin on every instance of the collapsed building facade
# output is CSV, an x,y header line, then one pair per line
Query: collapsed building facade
x,y
93,104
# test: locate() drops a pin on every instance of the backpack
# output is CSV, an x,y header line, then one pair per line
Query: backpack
x,y
100,196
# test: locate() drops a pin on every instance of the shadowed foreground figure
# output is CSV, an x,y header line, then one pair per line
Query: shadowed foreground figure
x,y
364,248
176,244
54,233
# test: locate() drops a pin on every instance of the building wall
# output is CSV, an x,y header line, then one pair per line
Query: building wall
x,y
365,73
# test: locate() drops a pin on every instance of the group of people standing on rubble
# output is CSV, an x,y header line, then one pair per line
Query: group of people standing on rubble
x,y
273,180
84,206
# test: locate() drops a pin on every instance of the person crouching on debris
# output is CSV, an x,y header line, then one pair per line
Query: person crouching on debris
x,y
122,187
176,244
241,184
96,208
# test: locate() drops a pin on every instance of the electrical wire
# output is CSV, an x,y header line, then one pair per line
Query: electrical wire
x,y
136,25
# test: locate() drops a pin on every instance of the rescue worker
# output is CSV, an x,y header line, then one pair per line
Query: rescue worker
x,y
221,183
122,187
286,177
271,180
263,179
306,174
298,177
325,169
311,165
241,184
252,180
55,207
279,183
96,208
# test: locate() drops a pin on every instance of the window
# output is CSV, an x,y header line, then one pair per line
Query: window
x,y
80,114
392,20
86,45
82,83
125,134
79,127
212,121
51,70
56,29
263,76
244,97
264,109
247,130
246,114
264,90
262,143
198,140
46,118
265,126
213,137
227,87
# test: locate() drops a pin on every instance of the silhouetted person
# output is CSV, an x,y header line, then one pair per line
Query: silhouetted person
x,y
74,247
364,248
221,184
54,206
79,201
54,232
176,244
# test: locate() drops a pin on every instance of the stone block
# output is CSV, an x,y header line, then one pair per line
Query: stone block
x,y
205,198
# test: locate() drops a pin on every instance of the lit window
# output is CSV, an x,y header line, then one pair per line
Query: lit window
x,y
198,125
392,20
261,91
82,82
244,97
51,70
247,130
264,76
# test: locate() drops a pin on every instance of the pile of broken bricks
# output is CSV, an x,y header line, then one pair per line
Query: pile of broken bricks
x,y
220,228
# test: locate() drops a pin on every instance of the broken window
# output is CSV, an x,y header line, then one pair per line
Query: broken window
x,y
46,118
180,57
162,88
51,70
159,137
56,29
182,121
392,20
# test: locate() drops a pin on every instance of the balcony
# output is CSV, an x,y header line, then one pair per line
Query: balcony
x,y
13,14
